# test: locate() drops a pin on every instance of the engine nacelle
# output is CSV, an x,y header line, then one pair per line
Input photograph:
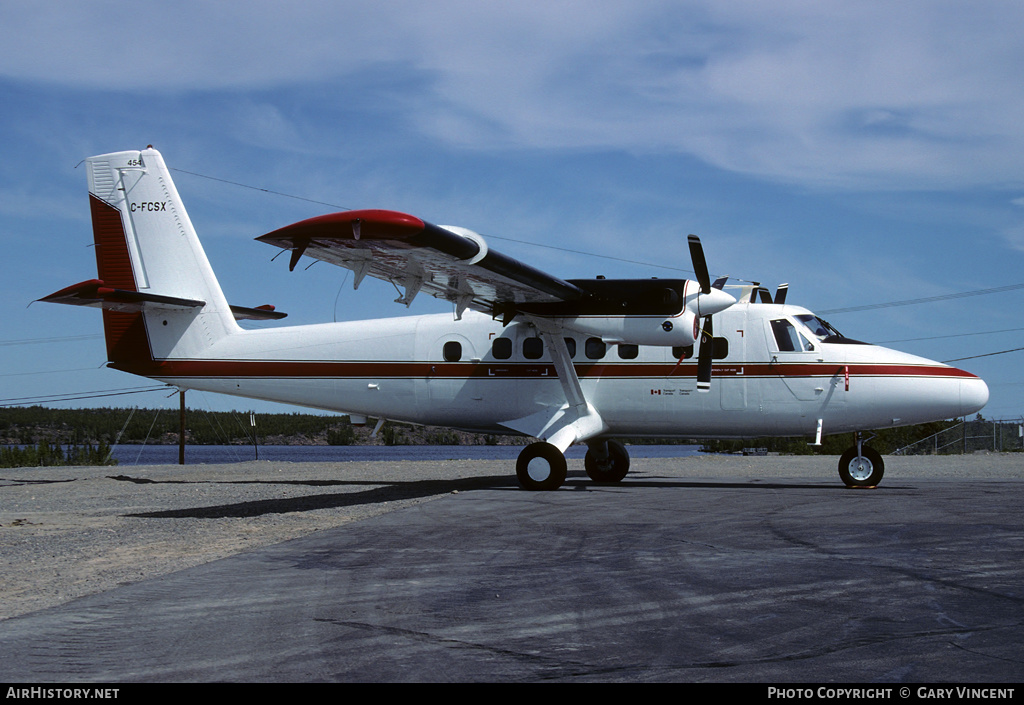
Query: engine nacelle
x,y
681,329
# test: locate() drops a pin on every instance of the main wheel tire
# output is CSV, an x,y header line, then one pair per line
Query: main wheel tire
x,y
541,466
865,470
611,470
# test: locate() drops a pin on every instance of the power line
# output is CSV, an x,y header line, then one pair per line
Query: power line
x,y
925,300
50,372
850,309
491,237
588,254
955,335
63,339
974,357
28,401
264,190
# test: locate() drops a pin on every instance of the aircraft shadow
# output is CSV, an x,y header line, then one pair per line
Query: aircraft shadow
x,y
676,483
379,492
376,493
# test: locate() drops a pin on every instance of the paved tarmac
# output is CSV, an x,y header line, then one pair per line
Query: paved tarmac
x,y
691,571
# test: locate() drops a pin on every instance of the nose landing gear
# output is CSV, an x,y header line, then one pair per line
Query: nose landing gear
x,y
861,465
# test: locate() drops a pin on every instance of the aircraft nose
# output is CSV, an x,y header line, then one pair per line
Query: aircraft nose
x,y
973,395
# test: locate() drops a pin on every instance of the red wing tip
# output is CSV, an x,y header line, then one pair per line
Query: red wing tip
x,y
384,216
371,224
89,286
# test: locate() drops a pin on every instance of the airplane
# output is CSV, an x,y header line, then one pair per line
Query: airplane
x,y
522,352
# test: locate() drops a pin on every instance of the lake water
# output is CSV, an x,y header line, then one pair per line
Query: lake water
x,y
168,455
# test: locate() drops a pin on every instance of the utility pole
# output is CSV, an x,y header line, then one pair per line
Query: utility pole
x,y
255,441
181,427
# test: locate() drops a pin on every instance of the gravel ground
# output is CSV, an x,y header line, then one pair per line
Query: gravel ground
x,y
70,532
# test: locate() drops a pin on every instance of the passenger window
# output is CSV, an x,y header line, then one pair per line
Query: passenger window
x,y
628,352
570,343
682,353
452,351
595,348
719,348
533,348
501,348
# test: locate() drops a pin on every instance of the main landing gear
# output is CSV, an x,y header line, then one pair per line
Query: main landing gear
x,y
860,465
606,462
541,466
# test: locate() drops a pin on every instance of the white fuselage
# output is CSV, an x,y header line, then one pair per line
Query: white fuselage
x,y
439,371
562,361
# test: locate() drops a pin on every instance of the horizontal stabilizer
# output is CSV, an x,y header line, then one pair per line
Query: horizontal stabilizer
x,y
260,313
94,293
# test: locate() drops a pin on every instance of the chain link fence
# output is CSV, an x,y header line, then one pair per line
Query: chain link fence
x,y
970,436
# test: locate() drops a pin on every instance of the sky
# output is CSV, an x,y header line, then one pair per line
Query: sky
x,y
866,153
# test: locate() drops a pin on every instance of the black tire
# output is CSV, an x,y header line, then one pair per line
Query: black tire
x,y
865,470
612,470
541,466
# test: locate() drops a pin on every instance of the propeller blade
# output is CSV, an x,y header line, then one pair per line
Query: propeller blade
x,y
707,344
780,293
700,265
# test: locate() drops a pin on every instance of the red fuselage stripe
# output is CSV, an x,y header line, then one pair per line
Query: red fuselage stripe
x,y
280,369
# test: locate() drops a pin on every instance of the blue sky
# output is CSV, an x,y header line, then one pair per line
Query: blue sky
x,y
865,153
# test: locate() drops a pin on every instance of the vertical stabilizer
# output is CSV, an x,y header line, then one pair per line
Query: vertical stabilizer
x,y
145,244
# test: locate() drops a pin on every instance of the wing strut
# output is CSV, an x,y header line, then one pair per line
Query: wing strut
x,y
577,419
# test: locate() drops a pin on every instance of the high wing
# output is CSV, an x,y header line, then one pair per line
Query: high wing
x,y
455,264
447,262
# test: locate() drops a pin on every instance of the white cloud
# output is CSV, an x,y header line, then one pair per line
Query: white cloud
x,y
1014,237
851,95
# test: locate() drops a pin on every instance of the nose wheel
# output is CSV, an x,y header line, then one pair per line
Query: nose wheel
x,y
861,466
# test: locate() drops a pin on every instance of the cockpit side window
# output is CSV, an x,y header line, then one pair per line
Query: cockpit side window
x,y
819,328
787,338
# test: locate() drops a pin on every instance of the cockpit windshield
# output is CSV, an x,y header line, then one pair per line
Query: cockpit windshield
x,y
823,330
818,327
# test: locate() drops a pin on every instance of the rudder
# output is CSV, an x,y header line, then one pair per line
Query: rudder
x,y
160,297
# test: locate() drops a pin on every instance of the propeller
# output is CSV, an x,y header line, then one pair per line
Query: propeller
x,y
712,299
707,349
766,298
700,265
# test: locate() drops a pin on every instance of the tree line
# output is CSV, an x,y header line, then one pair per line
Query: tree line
x,y
39,436
36,435
31,424
885,441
